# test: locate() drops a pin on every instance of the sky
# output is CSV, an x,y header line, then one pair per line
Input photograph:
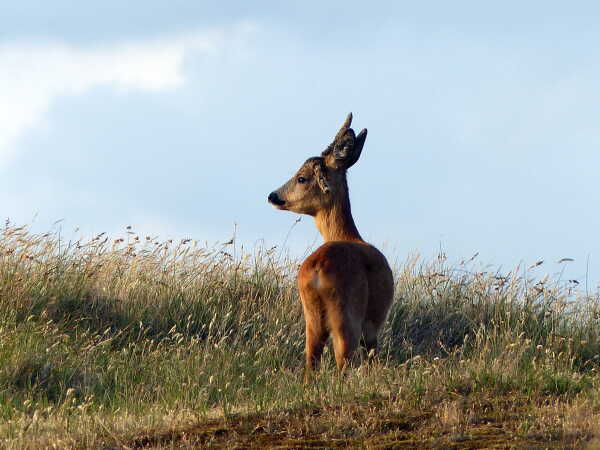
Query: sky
x,y
179,117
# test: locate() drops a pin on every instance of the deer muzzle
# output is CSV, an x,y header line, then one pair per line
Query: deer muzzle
x,y
275,200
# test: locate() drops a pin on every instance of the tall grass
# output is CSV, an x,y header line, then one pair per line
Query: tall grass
x,y
102,337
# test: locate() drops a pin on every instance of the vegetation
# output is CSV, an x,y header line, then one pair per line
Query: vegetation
x,y
138,343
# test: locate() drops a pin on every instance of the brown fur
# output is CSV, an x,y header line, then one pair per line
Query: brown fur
x,y
346,285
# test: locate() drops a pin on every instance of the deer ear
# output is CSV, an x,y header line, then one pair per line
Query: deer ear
x,y
345,149
321,180
359,142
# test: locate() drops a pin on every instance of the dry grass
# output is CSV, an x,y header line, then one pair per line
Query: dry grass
x,y
134,342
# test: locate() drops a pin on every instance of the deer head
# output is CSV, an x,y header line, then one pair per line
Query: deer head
x,y
321,180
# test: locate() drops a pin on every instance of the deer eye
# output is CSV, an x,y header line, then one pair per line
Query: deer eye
x,y
301,180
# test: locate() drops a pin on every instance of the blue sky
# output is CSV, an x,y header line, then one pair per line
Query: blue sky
x,y
179,118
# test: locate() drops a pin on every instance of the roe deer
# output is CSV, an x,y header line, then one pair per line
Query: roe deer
x,y
346,285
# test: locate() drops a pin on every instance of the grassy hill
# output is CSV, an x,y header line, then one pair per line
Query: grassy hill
x,y
138,343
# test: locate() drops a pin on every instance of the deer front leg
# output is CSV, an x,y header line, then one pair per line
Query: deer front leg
x,y
369,338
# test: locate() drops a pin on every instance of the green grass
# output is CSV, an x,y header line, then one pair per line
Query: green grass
x,y
102,341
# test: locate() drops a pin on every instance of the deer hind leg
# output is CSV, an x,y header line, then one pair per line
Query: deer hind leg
x,y
345,326
346,311
316,332
345,341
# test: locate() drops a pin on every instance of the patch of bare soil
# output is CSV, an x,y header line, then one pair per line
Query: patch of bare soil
x,y
483,424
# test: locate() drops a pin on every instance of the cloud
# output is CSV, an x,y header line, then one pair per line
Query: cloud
x,y
35,74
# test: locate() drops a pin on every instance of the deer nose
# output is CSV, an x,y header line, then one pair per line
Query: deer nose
x,y
273,198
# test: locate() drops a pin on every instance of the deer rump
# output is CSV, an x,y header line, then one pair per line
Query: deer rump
x,y
346,290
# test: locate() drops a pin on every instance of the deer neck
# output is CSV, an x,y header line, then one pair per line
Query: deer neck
x,y
335,223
